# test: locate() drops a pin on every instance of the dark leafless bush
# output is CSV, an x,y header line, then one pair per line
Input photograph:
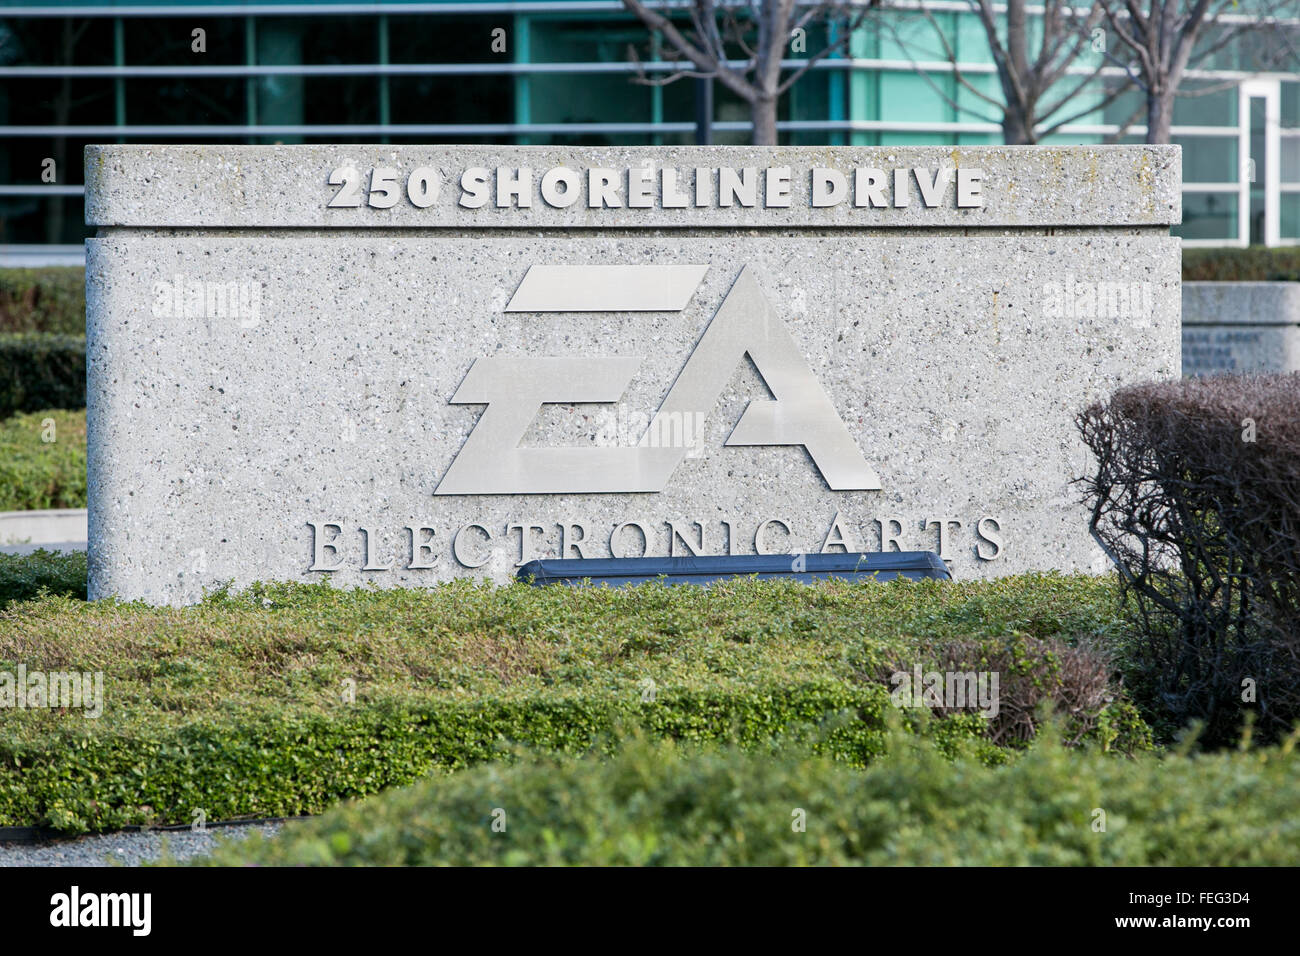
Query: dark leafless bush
x,y
1196,498
1036,677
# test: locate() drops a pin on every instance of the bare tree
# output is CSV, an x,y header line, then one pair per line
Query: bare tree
x,y
1163,38
1040,68
743,44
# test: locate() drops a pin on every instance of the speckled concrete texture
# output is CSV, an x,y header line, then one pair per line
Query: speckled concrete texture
x,y
957,364
260,186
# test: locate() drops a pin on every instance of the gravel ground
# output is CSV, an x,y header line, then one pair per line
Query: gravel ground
x,y
124,849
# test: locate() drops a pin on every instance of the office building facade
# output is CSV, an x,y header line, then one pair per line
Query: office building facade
x,y
562,71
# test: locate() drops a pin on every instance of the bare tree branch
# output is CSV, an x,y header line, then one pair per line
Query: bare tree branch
x,y
757,33
1035,63
834,47
951,56
1165,39
705,60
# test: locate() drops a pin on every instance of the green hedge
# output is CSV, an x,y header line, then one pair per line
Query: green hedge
x,y
49,299
1252,264
236,706
41,371
43,461
657,803
278,763
24,577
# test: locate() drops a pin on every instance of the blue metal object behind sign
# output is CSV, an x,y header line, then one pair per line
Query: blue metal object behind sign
x,y
859,566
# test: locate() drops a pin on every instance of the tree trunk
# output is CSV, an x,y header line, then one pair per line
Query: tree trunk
x,y
1016,130
1013,73
1160,116
1018,38
762,111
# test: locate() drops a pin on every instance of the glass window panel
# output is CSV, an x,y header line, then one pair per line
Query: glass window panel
x,y
186,100
1270,50
907,97
331,39
170,41
1218,108
448,39
340,99
1227,57
451,99
22,160
1290,105
569,99
33,101
1257,171
809,99
42,41
31,220
1209,159
1125,107
1208,216
1289,170
866,42
1289,216
679,103
971,41
975,109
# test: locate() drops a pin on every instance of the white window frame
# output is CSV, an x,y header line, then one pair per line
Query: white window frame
x,y
1270,91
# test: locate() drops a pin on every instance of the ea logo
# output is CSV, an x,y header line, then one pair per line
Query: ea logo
x,y
515,387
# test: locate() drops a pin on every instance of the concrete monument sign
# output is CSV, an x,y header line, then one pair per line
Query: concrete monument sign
x,y
403,364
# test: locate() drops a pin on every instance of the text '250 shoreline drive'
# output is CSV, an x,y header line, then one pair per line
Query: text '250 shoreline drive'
x,y
647,187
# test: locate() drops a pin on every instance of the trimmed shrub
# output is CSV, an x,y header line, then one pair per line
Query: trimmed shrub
x,y
1252,264
23,577
662,804
270,762
37,473
49,299
309,694
41,371
1195,497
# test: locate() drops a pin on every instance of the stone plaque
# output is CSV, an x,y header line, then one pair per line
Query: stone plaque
x,y
405,364
1241,327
